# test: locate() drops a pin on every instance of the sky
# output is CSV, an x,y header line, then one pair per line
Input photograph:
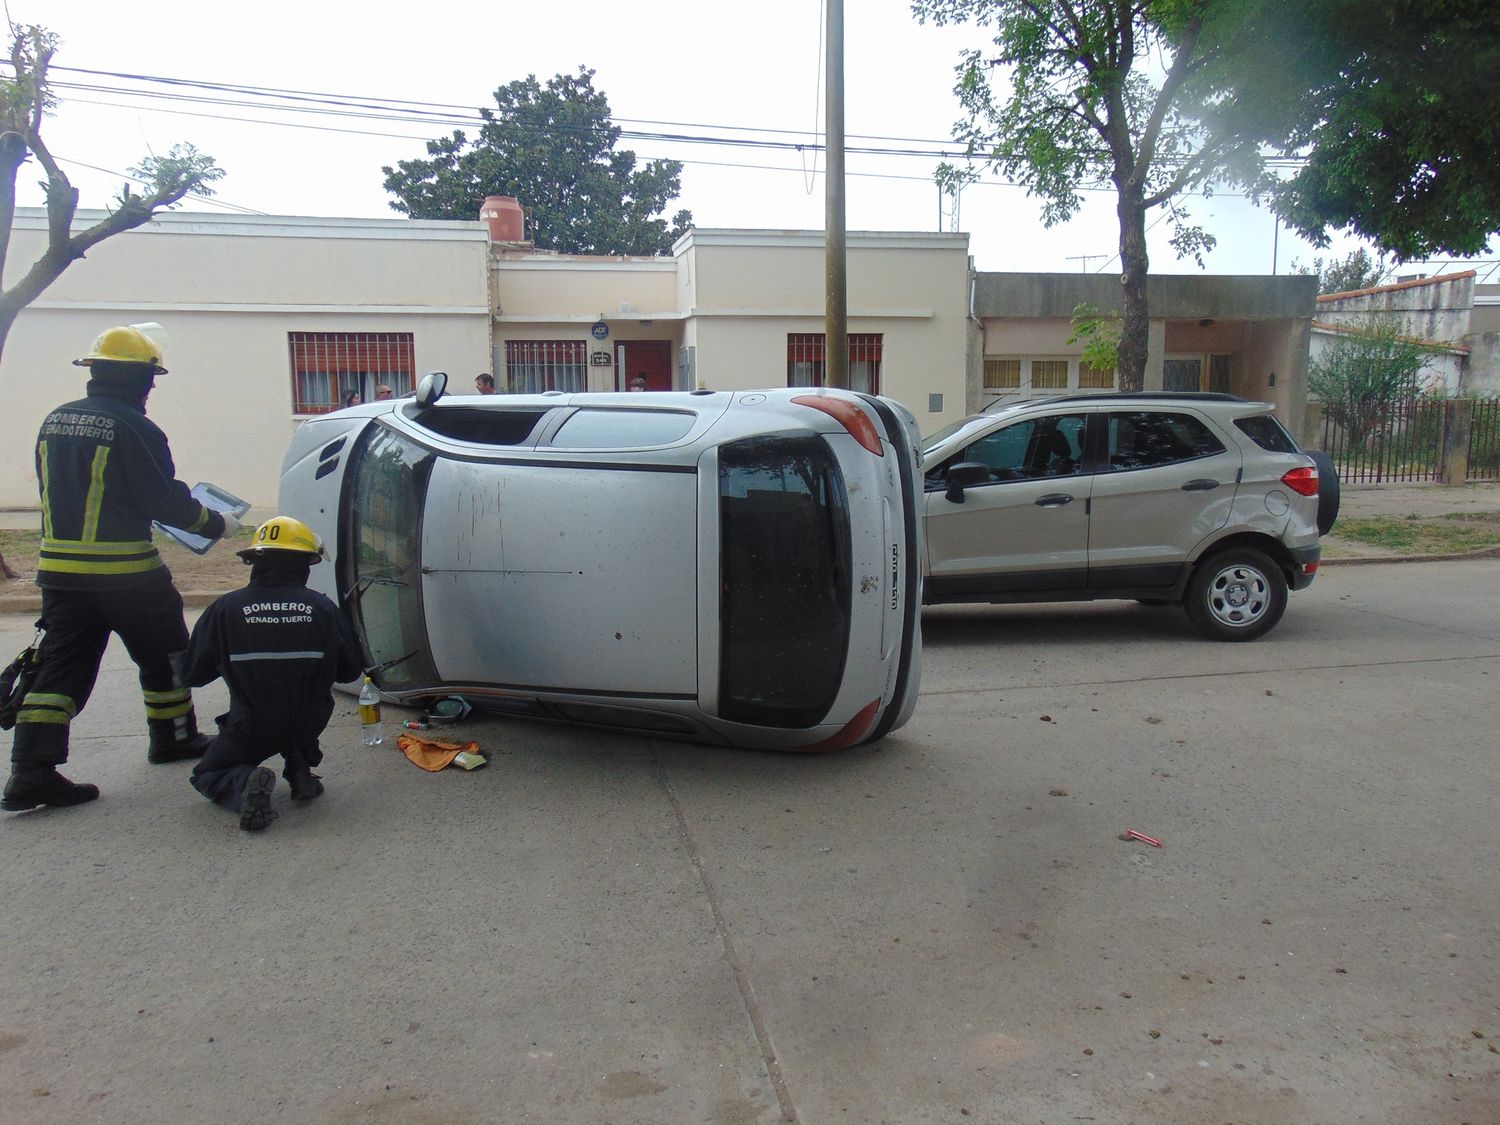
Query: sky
x,y
666,66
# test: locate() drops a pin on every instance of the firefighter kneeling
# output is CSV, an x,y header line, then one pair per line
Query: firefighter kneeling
x,y
280,648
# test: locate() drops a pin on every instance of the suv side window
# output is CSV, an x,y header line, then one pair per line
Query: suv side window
x,y
1147,439
1267,432
1035,447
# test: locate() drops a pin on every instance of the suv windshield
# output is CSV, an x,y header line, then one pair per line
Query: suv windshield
x,y
785,561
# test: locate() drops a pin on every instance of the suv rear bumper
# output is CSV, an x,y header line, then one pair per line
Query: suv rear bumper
x,y
1304,566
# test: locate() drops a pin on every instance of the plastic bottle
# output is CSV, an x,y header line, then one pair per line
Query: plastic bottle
x,y
369,712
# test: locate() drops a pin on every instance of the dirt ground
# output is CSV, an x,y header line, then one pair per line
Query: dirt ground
x,y
220,569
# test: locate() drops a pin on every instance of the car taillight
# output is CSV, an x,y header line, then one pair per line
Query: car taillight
x,y
852,731
1303,481
850,416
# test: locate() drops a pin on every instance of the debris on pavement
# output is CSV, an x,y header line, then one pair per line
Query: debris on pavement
x,y
1132,834
432,754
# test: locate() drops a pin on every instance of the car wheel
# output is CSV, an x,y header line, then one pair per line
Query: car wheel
x,y
1236,595
1328,490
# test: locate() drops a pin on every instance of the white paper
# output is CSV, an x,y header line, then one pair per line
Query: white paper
x,y
210,496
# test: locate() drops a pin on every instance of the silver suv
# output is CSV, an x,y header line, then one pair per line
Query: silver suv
x,y
1198,500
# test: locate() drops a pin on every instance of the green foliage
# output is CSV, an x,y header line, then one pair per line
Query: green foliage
x,y
1358,376
1395,132
1100,335
25,100
553,148
1356,270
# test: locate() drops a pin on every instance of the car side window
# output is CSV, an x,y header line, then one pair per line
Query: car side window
x,y
1050,446
1147,439
1003,450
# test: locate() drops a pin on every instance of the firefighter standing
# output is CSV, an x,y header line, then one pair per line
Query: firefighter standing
x,y
280,648
105,473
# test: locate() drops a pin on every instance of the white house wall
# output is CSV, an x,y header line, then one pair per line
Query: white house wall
x,y
228,291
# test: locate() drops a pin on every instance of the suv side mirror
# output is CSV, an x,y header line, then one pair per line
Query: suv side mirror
x,y
962,476
431,388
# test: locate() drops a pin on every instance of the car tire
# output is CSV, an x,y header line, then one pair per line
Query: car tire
x,y
1328,490
1236,595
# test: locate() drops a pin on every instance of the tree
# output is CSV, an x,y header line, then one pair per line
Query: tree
x,y
1356,270
1360,374
1386,106
25,99
553,148
1095,95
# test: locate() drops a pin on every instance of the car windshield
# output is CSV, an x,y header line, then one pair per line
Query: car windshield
x,y
932,441
785,561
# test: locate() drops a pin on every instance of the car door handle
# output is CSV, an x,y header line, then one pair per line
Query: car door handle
x,y
1053,500
1201,484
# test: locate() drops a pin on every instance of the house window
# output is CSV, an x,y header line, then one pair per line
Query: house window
x,y
326,366
533,366
804,360
1049,374
1091,378
1002,374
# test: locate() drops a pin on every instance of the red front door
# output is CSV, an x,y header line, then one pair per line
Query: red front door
x,y
651,358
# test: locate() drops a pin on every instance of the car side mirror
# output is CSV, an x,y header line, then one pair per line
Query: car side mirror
x,y
432,387
962,476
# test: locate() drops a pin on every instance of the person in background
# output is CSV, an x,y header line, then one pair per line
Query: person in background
x,y
105,473
638,383
484,383
351,398
383,392
280,648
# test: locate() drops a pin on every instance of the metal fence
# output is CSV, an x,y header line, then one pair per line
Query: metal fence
x,y
1403,442
1484,440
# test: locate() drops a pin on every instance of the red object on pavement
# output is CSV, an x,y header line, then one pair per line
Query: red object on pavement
x,y
1132,834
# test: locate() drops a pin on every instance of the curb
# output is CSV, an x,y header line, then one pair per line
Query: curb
x,y
1458,556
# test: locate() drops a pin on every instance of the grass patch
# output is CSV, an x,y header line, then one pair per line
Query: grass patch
x,y
1415,535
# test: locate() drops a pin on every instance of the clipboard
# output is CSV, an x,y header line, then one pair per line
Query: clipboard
x,y
210,496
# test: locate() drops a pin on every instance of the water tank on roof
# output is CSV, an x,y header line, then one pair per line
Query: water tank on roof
x,y
503,215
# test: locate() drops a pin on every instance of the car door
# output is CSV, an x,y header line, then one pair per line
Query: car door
x,y
1166,480
1025,528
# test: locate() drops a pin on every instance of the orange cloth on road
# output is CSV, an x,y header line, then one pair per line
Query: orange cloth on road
x,y
430,753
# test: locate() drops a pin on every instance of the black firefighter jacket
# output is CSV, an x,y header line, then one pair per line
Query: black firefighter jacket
x,y
280,648
105,473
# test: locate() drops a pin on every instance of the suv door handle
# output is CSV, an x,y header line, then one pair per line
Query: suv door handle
x,y
1201,484
1053,500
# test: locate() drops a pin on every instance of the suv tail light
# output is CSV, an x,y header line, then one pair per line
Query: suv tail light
x,y
1303,481
848,415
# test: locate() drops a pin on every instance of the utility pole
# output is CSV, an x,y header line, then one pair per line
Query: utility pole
x,y
836,284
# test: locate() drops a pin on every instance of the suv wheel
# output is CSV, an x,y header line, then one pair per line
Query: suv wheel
x,y
1236,595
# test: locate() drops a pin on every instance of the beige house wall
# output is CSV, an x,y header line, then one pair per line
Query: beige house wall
x,y
228,291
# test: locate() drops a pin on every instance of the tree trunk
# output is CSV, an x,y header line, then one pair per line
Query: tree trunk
x,y
1135,324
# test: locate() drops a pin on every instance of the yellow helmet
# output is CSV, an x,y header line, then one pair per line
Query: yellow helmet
x,y
284,533
129,343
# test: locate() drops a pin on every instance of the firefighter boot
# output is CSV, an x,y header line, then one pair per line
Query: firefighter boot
x,y
305,784
256,812
175,740
31,786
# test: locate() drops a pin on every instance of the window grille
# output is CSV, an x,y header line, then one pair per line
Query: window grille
x,y
533,366
1049,374
805,367
326,366
1002,374
1091,378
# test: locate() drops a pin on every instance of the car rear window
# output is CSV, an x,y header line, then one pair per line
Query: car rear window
x,y
623,429
784,561
1266,431
1148,438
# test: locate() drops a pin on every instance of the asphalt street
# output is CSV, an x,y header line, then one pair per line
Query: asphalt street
x,y
944,927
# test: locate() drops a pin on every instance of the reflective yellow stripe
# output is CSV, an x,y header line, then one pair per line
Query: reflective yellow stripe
x,y
168,712
95,501
43,716
47,699
176,695
41,447
78,547
84,566
200,521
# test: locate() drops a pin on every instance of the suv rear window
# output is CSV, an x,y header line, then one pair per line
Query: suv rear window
x,y
1266,431
784,573
1149,438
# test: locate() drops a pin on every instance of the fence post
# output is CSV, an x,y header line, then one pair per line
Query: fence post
x,y
1312,426
1453,466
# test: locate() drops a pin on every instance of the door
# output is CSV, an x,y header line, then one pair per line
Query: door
x,y
650,359
1027,527
1167,483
